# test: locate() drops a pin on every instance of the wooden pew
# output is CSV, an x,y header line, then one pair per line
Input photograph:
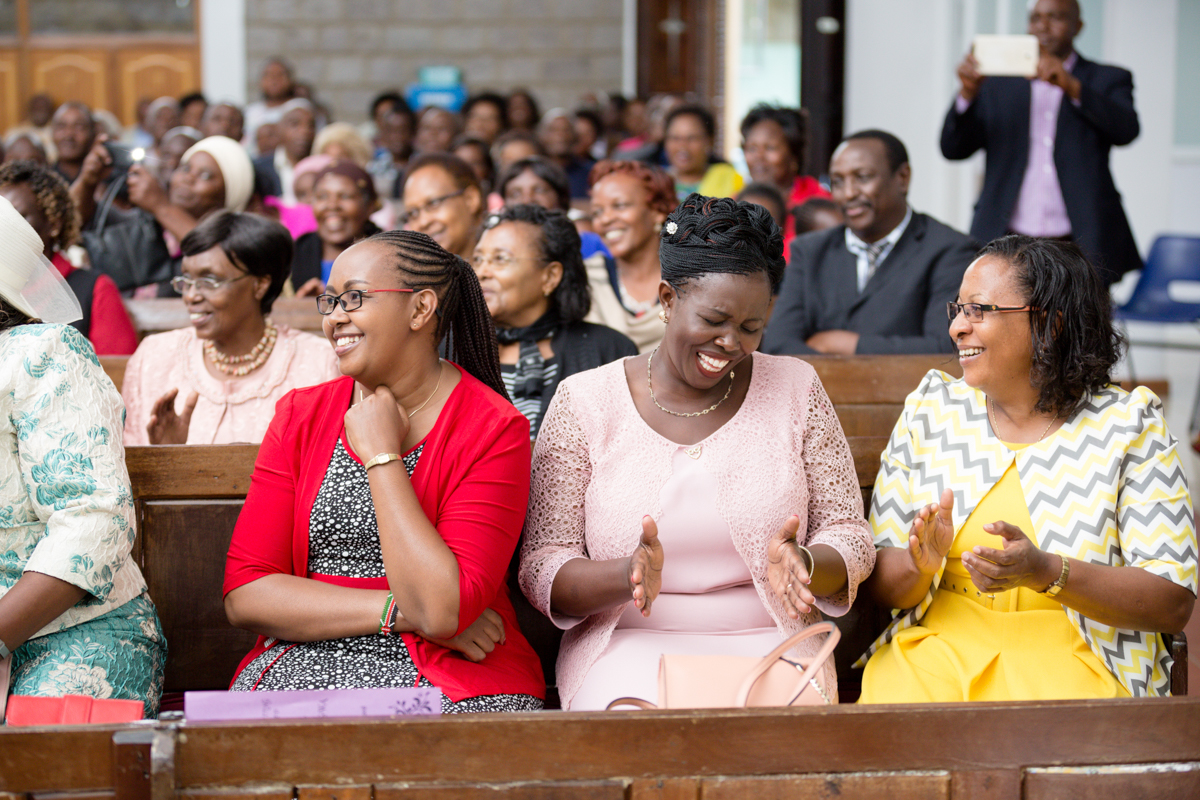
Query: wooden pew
x,y
988,751
160,314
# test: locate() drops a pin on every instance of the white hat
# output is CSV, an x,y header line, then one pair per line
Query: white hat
x,y
236,168
28,281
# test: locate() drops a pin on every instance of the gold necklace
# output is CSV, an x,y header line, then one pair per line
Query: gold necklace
x,y
995,430
713,407
244,364
436,386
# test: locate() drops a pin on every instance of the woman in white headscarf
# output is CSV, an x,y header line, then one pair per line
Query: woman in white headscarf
x,y
141,247
74,614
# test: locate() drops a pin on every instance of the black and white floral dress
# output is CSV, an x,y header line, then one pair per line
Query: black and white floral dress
x,y
344,541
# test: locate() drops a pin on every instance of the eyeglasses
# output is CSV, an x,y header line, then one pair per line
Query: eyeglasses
x,y
499,260
974,311
350,300
411,215
205,286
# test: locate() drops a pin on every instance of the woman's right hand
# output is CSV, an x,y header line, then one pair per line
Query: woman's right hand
x,y
480,637
167,427
645,567
95,162
932,534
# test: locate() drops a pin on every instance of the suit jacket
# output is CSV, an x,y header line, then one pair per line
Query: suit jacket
x,y
902,309
998,122
266,177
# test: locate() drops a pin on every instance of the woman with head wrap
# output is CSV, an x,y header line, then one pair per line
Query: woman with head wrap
x,y
141,247
74,614
41,196
343,199
298,218
217,381
699,498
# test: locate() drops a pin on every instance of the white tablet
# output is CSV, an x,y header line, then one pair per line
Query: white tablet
x,y
1006,55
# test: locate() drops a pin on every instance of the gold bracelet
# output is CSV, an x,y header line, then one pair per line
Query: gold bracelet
x,y
810,563
382,458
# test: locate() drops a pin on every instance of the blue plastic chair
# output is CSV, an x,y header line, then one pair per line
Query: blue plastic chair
x,y
1172,258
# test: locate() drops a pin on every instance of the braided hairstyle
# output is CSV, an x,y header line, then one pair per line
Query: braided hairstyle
x,y
52,195
463,318
706,235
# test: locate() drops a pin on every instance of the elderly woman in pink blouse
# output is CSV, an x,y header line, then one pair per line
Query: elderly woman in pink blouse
x,y
701,498
217,382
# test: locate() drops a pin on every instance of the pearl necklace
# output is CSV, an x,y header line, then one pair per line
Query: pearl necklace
x,y
996,430
238,366
713,407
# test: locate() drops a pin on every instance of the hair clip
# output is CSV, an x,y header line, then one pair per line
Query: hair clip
x,y
671,228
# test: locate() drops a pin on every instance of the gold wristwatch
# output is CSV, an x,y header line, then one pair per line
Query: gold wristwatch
x,y
1053,589
382,458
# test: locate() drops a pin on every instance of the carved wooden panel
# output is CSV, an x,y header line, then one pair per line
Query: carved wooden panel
x,y
10,103
75,74
154,72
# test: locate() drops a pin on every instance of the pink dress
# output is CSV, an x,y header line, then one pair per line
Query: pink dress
x,y
228,411
598,468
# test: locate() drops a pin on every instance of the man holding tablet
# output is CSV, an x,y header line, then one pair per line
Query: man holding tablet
x,y
1048,140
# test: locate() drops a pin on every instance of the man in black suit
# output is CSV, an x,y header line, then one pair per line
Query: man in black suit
x,y
1047,143
879,283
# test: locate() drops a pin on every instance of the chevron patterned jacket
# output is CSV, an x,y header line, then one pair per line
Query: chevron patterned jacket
x,y
1107,488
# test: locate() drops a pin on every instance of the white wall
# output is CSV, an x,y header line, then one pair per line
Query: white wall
x,y
900,62
223,50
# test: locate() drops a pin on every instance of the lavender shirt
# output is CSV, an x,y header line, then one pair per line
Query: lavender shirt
x,y
1040,208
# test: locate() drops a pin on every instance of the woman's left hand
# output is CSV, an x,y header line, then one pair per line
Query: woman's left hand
x,y
376,424
786,570
1020,563
479,638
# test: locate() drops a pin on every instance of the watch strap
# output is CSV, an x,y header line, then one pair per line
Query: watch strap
x,y
382,458
1053,589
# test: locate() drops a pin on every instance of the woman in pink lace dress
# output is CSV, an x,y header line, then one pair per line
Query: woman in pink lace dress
x,y
698,499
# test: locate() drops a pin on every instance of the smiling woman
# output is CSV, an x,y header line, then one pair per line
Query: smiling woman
x,y
685,481
385,507
217,381
343,199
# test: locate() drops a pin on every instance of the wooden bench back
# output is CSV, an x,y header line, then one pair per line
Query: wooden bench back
x,y
160,314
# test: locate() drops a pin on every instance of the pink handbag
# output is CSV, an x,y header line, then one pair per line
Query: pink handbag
x,y
742,681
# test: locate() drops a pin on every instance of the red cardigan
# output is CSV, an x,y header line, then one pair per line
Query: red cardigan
x,y
472,482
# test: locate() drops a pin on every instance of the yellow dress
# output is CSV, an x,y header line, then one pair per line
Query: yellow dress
x,y
1014,645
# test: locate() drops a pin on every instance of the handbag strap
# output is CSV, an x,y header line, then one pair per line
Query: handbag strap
x,y
5,672
636,702
809,673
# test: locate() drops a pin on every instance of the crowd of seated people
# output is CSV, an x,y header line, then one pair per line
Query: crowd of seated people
x,y
552,344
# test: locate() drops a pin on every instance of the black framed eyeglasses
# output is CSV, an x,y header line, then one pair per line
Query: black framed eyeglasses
x,y
434,204
974,311
350,300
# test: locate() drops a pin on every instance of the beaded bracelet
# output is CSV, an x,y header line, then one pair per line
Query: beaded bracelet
x,y
388,618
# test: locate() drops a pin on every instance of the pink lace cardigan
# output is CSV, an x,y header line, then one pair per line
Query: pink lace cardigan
x,y
598,467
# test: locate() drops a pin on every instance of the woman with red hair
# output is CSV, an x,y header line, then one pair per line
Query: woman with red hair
x,y
630,202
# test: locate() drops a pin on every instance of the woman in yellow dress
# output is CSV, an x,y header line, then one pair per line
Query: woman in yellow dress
x,y
1032,520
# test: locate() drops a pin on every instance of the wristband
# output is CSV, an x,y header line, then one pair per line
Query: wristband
x,y
388,618
382,458
4,651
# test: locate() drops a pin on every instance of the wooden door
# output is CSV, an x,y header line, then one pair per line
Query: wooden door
x,y
108,56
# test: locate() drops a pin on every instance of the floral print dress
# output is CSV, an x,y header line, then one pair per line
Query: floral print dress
x,y
66,510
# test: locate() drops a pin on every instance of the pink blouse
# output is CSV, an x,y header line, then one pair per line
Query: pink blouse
x,y
234,410
598,468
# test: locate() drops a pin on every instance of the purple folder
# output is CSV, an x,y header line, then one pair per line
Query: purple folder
x,y
214,706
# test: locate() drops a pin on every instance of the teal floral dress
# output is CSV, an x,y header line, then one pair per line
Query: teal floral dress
x,y
66,511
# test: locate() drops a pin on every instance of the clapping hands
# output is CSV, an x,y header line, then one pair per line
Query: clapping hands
x,y
931,534
645,567
787,571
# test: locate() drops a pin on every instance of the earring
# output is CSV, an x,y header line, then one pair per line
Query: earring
x,y
662,314
414,326
658,227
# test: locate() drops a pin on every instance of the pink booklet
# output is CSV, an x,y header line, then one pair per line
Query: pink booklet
x,y
214,706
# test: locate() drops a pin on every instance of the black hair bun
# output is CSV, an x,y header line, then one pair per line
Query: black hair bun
x,y
725,224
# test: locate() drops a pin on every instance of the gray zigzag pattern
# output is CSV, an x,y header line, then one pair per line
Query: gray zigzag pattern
x,y
1170,480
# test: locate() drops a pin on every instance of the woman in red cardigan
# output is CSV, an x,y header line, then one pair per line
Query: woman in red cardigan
x,y
385,506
